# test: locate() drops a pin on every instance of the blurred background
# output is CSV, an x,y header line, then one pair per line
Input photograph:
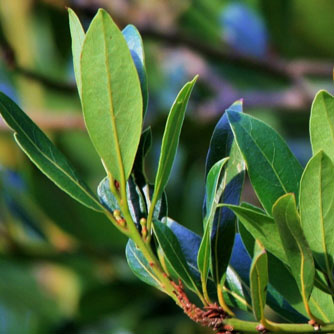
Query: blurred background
x,y
62,267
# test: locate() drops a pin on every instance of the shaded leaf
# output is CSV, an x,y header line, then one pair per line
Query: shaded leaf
x,y
222,144
173,252
258,280
262,228
78,37
139,265
321,124
139,164
112,106
272,168
135,44
215,185
170,139
45,155
317,209
136,200
295,245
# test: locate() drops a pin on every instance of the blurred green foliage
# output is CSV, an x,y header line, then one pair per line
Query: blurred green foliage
x,y
62,266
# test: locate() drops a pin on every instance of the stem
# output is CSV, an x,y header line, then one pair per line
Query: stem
x,y
251,327
222,301
205,291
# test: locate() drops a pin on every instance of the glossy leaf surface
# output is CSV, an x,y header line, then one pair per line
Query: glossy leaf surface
x,y
258,280
78,37
139,265
222,145
112,106
135,44
321,124
272,168
170,139
295,245
139,164
136,200
215,185
173,252
317,209
262,228
45,155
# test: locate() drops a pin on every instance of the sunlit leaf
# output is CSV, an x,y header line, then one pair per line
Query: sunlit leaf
x,y
272,168
45,155
112,105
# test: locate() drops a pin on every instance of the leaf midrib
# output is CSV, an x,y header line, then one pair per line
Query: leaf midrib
x,y
75,181
111,110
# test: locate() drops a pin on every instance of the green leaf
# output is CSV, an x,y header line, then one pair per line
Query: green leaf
x,y
258,280
295,245
317,209
215,185
111,96
136,200
272,168
173,252
262,228
322,124
78,37
139,164
170,139
45,155
140,266
222,144
135,44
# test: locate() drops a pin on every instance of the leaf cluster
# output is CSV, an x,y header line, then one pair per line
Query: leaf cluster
x,y
277,259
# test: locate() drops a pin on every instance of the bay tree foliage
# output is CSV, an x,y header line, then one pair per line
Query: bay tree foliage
x,y
251,265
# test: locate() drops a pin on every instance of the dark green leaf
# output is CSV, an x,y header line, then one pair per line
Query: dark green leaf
x,y
139,265
78,37
222,145
111,96
135,44
170,139
136,200
262,228
139,164
321,124
45,155
215,185
258,280
272,168
173,252
317,209
295,245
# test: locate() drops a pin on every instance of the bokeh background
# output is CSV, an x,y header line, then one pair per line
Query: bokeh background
x,y
62,267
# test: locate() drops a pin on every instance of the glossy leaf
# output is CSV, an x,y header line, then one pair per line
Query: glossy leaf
x,y
283,295
112,106
139,164
161,206
317,209
235,290
262,228
170,139
78,37
173,252
258,280
222,144
135,44
215,185
272,168
295,245
139,265
45,155
321,124
136,200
